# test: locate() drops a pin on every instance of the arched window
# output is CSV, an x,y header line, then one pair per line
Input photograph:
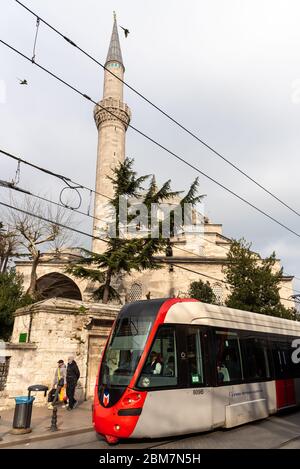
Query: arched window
x,y
218,291
135,292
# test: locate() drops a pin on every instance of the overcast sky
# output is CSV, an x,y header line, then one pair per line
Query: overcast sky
x,y
228,70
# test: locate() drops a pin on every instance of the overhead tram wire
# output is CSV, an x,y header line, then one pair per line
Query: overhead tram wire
x,y
297,278
227,248
185,129
44,199
100,219
179,158
65,179
155,106
214,278
94,237
197,255
25,212
101,239
93,217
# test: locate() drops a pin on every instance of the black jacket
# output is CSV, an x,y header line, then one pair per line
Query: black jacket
x,y
72,372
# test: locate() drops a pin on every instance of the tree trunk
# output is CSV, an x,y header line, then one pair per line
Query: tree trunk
x,y
33,276
4,266
106,286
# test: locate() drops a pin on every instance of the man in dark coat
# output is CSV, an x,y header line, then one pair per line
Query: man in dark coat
x,y
72,378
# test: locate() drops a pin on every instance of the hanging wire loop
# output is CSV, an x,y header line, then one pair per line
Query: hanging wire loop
x,y
35,39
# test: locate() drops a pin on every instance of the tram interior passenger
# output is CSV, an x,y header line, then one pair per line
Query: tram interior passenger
x,y
124,362
223,375
154,365
112,361
170,366
160,368
233,365
228,357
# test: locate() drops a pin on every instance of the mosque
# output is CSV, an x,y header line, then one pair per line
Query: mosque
x,y
67,321
194,257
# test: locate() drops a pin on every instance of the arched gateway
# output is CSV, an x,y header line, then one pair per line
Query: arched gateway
x,y
56,285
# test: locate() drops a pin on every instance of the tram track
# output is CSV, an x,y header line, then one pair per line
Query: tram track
x,y
141,445
272,433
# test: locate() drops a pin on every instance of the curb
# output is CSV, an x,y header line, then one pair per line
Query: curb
x,y
47,436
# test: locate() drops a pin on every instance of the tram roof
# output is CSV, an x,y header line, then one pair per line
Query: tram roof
x,y
221,316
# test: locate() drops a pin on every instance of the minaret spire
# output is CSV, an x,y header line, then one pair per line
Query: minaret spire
x,y
114,52
112,128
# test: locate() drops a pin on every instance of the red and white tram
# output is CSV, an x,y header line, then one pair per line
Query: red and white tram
x,y
217,367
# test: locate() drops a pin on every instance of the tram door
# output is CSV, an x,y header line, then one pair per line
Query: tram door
x,y
285,386
198,396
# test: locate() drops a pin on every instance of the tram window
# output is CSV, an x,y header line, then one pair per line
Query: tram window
x,y
194,357
282,354
282,359
256,358
228,357
124,350
160,369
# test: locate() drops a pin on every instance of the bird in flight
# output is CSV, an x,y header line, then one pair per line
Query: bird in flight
x,y
22,82
126,31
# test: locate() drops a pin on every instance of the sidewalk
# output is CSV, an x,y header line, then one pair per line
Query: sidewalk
x,y
72,422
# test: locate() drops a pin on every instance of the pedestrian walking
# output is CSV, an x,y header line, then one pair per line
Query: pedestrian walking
x,y
73,375
58,383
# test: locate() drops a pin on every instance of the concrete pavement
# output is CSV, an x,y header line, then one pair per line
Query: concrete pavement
x,y
72,422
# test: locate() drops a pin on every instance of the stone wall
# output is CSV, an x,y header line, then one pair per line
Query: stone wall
x,y
55,329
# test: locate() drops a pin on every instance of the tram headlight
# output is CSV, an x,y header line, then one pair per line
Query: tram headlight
x,y
131,398
117,428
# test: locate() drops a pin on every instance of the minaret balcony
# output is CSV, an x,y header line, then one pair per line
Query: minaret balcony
x,y
112,109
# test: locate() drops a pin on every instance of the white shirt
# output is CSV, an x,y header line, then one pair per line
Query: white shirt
x,y
157,369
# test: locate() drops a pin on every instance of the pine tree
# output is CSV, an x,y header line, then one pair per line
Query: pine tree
x,y
132,253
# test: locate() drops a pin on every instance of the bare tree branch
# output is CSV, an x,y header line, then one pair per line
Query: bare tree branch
x,y
32,232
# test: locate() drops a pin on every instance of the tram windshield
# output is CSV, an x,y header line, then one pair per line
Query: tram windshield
x,y
124,350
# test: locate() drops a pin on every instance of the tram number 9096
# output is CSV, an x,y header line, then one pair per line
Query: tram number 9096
x,y
198,391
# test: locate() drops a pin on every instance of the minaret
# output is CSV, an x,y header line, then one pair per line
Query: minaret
x,y
111,134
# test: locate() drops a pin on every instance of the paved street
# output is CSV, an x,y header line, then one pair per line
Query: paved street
x,y
77,421
276,432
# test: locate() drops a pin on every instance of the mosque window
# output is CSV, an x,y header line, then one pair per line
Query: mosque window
x,y
135,292
201,251
218,291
